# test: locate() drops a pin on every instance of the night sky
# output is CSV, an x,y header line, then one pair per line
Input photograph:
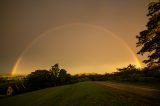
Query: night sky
x,y
83,36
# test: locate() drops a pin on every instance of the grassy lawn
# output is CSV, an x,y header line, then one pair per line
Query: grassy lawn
x,y
83,94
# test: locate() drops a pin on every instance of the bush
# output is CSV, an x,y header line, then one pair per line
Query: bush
x,y
39,79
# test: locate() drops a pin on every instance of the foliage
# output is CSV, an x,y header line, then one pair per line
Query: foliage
x,y
131,73
149,39
54,73
56,76
64,77
46,78
39,79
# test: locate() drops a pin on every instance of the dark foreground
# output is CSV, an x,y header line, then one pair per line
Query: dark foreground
x,y
88,94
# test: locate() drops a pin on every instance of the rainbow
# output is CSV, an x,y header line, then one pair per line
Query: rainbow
x,y
67,25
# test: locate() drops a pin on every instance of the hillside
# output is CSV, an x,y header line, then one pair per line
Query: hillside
x,y
87,94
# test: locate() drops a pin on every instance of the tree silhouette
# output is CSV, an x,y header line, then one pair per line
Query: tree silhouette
x,y
129,68
46,78
54,73
149,39
62,78
55,70
39,79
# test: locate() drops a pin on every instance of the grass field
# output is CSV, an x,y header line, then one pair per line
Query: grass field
x,y
88,94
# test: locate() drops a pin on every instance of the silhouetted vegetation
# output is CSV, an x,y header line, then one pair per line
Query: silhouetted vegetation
x,y
39,79
129,73
47,78
55,76
149,39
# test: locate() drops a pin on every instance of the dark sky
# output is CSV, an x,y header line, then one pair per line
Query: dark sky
x,y
78,23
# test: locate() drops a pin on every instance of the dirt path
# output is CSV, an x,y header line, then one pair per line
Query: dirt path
x,y
145,91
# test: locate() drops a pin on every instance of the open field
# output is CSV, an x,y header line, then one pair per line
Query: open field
x,y
88,94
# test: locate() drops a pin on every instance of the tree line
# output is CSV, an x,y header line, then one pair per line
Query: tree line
x,y
46,78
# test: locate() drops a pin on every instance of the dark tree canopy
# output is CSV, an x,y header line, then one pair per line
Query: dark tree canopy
x,y
39,79
63,77
149,39
129,68
46,78
55,70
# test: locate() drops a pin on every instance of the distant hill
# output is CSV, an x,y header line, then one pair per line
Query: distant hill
x,y
11,77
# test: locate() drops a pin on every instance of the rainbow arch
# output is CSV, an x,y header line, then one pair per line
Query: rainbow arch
x,y
67,25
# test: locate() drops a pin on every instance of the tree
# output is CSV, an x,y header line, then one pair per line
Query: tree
x,y
55,70
62,78
130,68
39,79
149,39
54,73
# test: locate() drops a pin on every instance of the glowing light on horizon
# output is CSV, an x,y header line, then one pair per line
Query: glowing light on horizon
x,y
13,71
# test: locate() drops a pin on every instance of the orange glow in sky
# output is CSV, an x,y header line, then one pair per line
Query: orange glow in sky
x,y
85,49
82,36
